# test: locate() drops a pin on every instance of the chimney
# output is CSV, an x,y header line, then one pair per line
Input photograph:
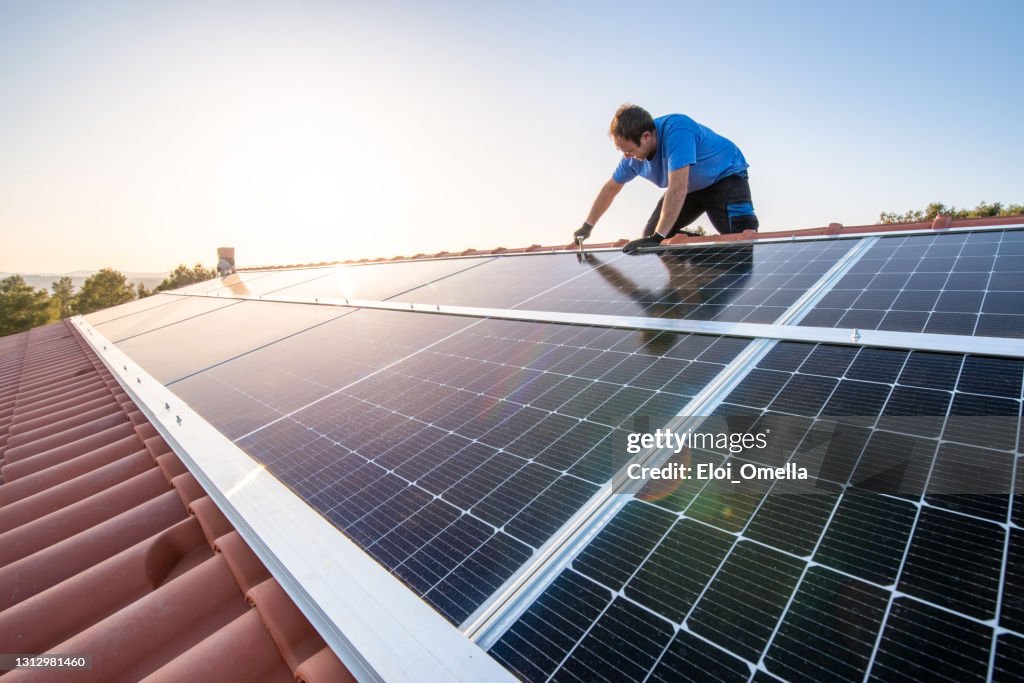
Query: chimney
x,y
225,261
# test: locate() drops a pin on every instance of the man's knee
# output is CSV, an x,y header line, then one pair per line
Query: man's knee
x,y
741,217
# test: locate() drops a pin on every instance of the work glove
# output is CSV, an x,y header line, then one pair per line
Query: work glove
x,y
583,232
652,240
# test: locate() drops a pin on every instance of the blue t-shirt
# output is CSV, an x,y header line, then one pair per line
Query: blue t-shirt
x,y
684,142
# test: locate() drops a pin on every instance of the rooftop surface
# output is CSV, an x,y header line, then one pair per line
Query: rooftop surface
x,y
463,422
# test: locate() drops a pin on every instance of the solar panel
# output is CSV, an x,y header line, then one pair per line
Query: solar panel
x,y
901,527
733,283
379,280
151,318
963,283
123,310
234,284
203,341
258,387
489,440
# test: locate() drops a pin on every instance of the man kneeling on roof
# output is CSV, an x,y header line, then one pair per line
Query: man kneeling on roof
x,y
701,171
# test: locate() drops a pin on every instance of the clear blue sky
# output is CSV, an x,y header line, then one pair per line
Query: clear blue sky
x,y
140,135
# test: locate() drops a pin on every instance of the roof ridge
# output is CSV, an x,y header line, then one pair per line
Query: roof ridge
x,y
940,223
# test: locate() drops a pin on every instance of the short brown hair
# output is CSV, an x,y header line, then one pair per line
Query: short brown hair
x,y
630,123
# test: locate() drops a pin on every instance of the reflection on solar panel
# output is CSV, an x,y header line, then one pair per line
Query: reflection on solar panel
x,y
127,326
268,383
734,283
237,330
965,283
124,310
236,283
475,458
378,280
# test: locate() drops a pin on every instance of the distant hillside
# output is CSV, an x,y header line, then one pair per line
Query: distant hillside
x,y
44,280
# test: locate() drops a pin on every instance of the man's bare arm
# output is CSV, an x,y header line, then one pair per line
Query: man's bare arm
x,y
675,195
603,201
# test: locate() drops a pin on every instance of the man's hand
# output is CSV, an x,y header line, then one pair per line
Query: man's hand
x,y
582,233
652,240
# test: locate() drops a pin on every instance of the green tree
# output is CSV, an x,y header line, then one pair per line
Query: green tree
x,y
183,275
106,288
982,210
63,296
22,307
142,291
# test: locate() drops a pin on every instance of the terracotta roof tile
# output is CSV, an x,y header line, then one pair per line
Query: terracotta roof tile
x,y
110,547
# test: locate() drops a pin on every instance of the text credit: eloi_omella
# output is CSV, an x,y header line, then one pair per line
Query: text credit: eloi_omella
x,y
677,442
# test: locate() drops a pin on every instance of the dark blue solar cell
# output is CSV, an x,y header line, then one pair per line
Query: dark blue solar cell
x,y
1009,657
623,544
858,402
623,644
1012,612
951,323
823,317
553,443
726,615
991,376
728,503
689,658
879,299
839,298
955,561
793,515
858,319
831,450
537,643
693,378
676,573
759,388
829,632
971,480
968,281
959,302
927,406
1004,303
994,325
472,582
547,512
829,360
984,421
916,300
921,643
1006,282
929,276
508,499
891,281
931,370
904,321
974,264
877,365
804,395
895,464
867,536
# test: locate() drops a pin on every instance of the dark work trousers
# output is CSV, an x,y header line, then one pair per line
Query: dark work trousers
x,y
727,204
